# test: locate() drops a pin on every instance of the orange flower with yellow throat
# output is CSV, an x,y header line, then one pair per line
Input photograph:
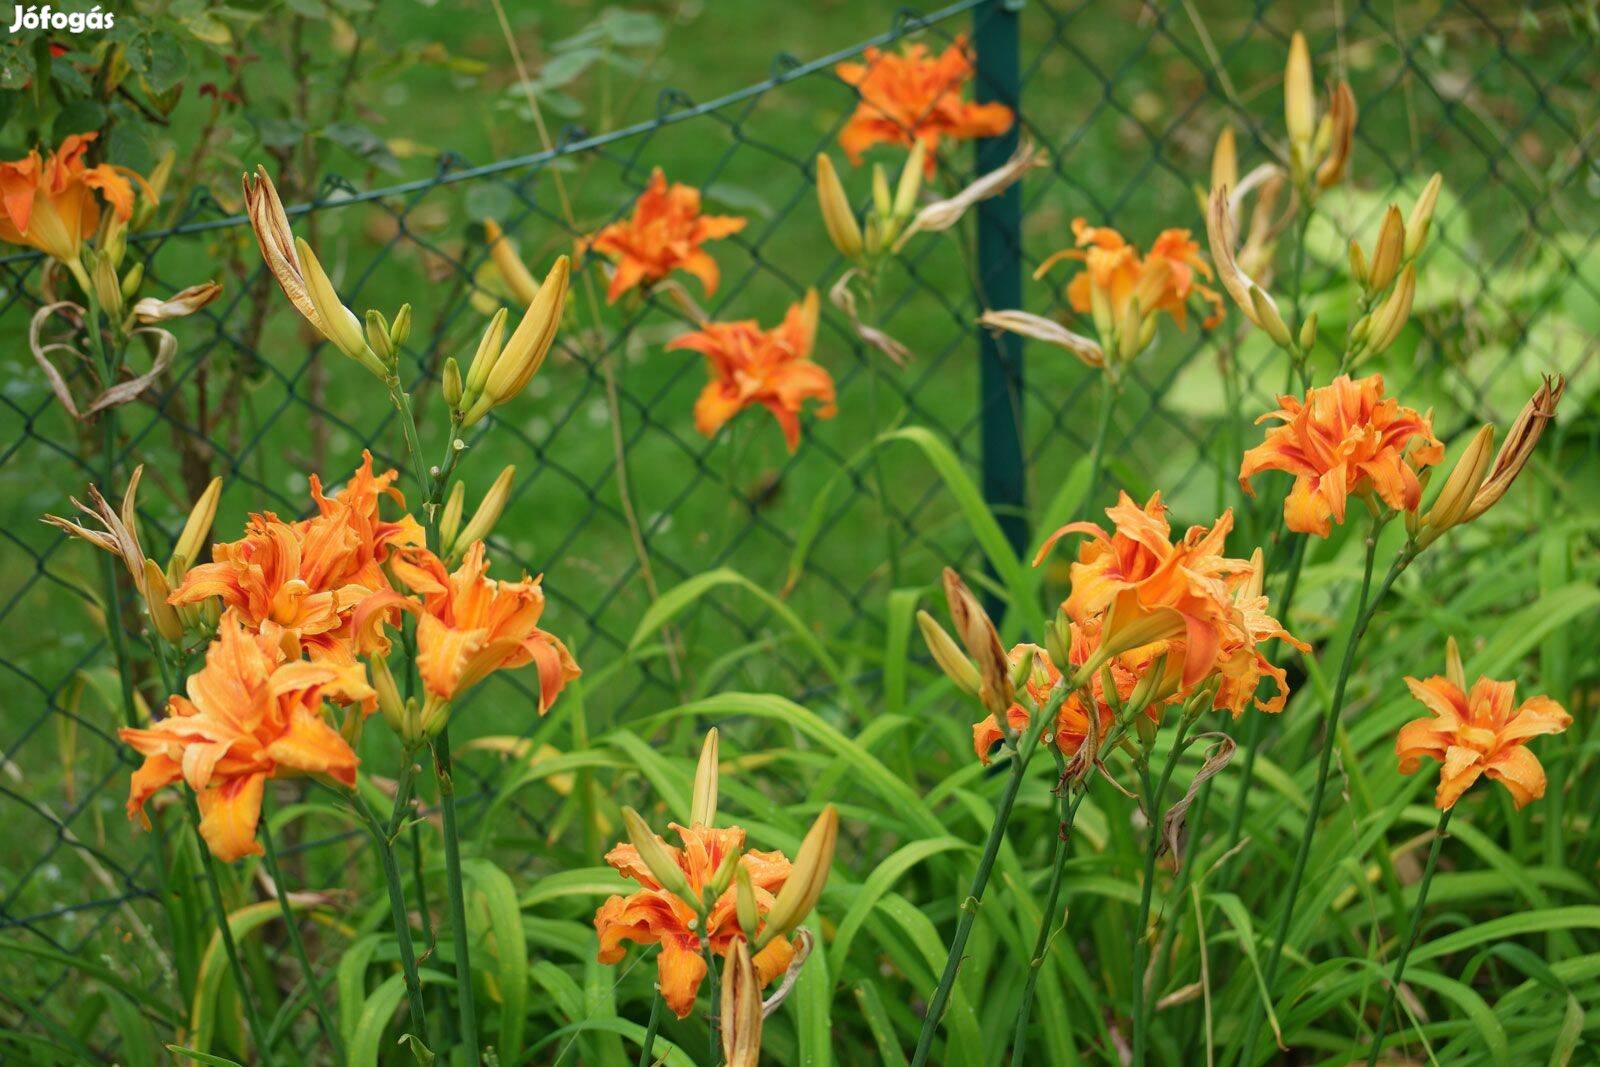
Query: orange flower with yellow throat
x,y
771,368
1124,290
253,712
1344,439
1144,588
469,626
1477,732
652,915
664,234
913,96
50,203
309,577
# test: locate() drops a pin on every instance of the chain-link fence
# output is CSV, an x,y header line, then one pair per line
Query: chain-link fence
x,y
617,497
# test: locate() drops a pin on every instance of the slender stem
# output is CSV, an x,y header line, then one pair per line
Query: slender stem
x,y
397,911
1022,753
466,1008
1367,607
1070,798
408,426
874,372
1141,938
650,1029
1108,403
711,991
231,947
1412,929
298,946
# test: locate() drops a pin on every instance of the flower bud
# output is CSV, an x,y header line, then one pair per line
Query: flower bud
x,y
1308,333
132,280
956,666
1395,313
744,902
162,614
1128,330
400,329
1452,665
653,852
378,336
1146,728
882,201
519,281
107,287
390,704
1340,124
196,528
450,383
1387,253
982,642
1421,217
1299,99
1023,668
493,505
1267,317
723,876
742,1014
837,216
1225,161
337,322
1358,264
483,360
1058,641
528,345
910,184
806,877
450,517
703,809
1450,506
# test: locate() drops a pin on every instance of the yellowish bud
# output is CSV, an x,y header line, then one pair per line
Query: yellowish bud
x,y
1387,253
493,505
529,343
1267,317
390,704
837,216
1058,641
882,201
162,614
1455,496
744,902
401,328
378,336
910,184
1453,669
1023,668
806,878
196,528
1335,145
107,287
1308,333
519,281
1129,329
450,517
337,322
722,877
656,859
982,642
132,280
956,666
1225,161
1421,217
703,809
1299,100
451,384
483,360
1358,264
1395,313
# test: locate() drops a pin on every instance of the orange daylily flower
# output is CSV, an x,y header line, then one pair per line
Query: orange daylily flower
x,y
1241,665
470,625
49,203
1343,439
1151,589
1478,733
772,368
663,235
654,916
912,96
1162,279
251,713
309,577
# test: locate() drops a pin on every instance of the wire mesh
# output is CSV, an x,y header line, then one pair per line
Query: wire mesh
x,y
1127,107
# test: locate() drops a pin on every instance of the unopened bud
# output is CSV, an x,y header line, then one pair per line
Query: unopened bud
x,y
339,324
1299,100
1266,313
703,809
948,655
400,329
450,517
1453,669
1023,668
1395,313
513,272
982,642
1519,444
1058,642
1455,496
807,876
1308,333
196,528
1225,161
451,384
1358,264
1421,217
483,360
657,860
493,505
390,704
910,184
882,201
132,280
528,344
1387,253
838,218
162,614
744,902
378,335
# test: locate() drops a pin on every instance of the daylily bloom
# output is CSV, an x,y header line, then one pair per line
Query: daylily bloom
x,y
652,915
1478,733
912,96
1343,439
663,235
251,713
1241,665
1151,589
470,625
309,577
772,368
50,203
1115,276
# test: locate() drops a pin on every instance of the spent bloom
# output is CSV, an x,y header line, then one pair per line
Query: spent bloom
x,y
913,97
771,368
1344,439
656,915
251,713
1481,731
50,203
664,234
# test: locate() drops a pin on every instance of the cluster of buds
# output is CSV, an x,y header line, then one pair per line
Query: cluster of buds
x,y
1476,484
455,538
1388,278
502,367
114,289
1319,146
118,534
887,219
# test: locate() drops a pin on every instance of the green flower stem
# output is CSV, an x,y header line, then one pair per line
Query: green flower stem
x,y
1412,928
891,544
220,907
1367,608
1070,797
397,912
649,1043
466,1008
1021,754
711,990
297,944
1141,939
1109,390
408,426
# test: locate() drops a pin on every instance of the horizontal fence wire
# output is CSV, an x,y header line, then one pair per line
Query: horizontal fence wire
x,y
1126,107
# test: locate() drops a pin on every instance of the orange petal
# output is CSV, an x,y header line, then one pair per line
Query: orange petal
x,y
229,813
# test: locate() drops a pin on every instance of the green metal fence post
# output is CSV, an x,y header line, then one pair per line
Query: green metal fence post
x,y
995,39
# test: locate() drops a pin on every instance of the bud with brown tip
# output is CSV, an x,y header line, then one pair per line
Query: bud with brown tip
x,y
1519,444
741,1008
982,642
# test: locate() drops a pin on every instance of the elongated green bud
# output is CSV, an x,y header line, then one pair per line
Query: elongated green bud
x,y
655,856
703,808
